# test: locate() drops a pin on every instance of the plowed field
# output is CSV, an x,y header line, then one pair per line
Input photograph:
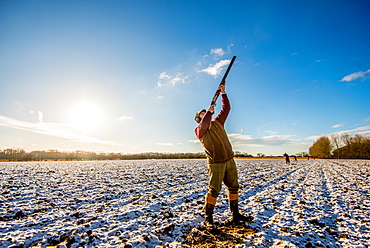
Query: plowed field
x,y
149,203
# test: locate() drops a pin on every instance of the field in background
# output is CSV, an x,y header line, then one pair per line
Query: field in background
x,y
148,203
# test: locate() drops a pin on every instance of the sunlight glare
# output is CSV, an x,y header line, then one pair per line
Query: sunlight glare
x,y
85,116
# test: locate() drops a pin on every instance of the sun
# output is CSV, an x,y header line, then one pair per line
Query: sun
x,y
85,116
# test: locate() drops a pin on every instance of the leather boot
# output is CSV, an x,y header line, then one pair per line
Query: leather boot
x,y
237,217
209,214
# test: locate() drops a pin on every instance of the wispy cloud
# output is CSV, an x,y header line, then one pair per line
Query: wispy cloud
x,y
41,116
239,140
337,125
216,69
218,51
364,130
165,144
313,137
125,117
184,74
178,78
354,76
229,48
164,75
271,132
221,52
260,128
166,79
52,129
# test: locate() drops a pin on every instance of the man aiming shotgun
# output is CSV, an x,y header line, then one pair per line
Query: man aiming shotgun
x,y
220,157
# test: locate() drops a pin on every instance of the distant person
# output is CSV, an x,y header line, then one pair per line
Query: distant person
x,y
287,160
220,158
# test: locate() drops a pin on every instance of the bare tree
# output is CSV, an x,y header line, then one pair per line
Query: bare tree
x,y
336,140
346,139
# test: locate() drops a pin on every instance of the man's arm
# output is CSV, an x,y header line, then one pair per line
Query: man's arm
x,y
204,123
224,113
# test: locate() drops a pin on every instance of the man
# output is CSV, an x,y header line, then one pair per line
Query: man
x,y
287,160
220,158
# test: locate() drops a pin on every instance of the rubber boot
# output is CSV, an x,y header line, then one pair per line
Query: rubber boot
x,y
237,217
209,214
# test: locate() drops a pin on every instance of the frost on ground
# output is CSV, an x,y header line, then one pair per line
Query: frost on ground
x,y
149,203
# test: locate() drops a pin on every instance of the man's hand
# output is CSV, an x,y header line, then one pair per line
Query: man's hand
x,y
222,87
212,108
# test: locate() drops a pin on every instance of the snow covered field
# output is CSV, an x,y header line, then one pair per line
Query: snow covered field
x,y
149,203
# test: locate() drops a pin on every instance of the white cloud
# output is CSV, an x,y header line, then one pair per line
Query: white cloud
x,y
236,136
218,51
184,74
313,137
365,130
164,75
52,129
294,53
271,132
278,142
124,118
337,125
229,48
41,116
166,79
216,69
165,144
175,80
178,79
355,76
239,140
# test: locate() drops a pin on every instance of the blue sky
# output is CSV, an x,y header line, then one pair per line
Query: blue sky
x,y
128,76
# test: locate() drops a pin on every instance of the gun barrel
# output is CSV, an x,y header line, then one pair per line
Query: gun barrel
x,y
215,97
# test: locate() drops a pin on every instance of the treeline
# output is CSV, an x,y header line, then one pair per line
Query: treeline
x,y
17,154
341,146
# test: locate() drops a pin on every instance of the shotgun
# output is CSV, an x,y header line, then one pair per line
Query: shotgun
x,y
215,97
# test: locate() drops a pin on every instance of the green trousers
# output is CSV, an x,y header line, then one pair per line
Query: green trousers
x,y
223,173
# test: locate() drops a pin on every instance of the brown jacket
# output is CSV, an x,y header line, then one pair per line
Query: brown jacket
x,y
212,135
